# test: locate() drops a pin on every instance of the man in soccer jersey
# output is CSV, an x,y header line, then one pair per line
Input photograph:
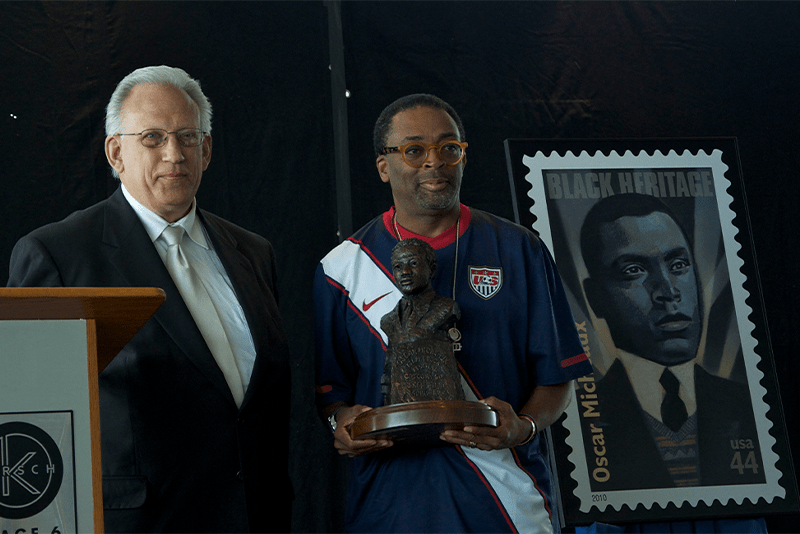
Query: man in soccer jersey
x,y
664,420
520,349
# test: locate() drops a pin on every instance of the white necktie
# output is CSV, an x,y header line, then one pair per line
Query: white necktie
x,y
202,309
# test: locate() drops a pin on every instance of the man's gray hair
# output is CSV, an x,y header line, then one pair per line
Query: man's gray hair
x,y
160,75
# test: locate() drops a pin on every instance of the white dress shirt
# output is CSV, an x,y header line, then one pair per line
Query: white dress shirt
x,y
200,254
644,376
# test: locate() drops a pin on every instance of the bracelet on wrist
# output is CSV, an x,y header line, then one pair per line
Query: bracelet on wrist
x,y
534,428
332,417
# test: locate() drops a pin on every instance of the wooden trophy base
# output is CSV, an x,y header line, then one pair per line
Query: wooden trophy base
x,y
420,423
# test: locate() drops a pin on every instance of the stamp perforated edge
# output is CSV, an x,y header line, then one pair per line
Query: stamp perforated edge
x,y
771,488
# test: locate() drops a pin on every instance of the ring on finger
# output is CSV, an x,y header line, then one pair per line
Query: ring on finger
x,y
473,444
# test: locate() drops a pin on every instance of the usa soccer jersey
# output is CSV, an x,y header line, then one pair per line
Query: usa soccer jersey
x,y
518,332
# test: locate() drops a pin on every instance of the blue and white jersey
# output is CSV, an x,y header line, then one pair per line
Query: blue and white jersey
x,y
518,332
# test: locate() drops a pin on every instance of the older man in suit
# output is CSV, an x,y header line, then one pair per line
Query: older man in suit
x,y
193,439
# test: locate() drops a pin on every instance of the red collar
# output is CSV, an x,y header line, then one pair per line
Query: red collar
x,y
441,240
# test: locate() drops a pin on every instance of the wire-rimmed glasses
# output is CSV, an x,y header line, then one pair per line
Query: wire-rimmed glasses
x,y
157,137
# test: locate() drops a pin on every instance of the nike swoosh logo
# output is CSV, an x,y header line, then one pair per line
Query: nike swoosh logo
x,y
367,305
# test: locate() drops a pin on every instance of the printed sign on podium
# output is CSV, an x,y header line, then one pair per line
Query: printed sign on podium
x,y
54,342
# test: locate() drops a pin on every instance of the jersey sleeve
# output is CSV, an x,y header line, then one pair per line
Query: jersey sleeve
x,y
336,367
553,337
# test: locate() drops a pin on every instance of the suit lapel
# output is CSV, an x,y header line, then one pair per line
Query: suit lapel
x,y
138,262
422,305
630,433
248,292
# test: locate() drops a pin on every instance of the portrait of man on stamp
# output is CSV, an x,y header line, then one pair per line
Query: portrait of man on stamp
x,y
654,253
664,420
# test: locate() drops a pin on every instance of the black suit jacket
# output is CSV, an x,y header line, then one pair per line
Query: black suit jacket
x,y
177,454
725,427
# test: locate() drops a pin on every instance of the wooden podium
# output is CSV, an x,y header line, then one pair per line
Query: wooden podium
x,y
54,342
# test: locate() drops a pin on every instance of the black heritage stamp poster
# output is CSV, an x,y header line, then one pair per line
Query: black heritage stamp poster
x,y
679,418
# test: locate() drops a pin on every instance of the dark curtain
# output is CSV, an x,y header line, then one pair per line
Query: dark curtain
x,y
511,69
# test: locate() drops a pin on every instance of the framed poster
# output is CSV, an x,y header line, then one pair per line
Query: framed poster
x,y
681,418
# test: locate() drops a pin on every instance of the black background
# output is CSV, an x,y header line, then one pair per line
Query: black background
x,y
511,69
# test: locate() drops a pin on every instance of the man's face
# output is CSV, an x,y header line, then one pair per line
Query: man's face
x,y
411,271
435,186
164,179
646,289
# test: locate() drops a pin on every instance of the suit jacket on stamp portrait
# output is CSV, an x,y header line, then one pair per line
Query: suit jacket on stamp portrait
x,y
725,427
177,453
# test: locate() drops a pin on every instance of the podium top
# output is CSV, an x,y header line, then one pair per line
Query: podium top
x,y
118,312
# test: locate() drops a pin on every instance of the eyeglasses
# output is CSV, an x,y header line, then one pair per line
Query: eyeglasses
x,y
156,137
416,154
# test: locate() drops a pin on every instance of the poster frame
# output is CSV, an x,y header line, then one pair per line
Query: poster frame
x,y
527,161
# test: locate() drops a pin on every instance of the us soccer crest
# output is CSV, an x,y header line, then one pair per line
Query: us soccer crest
x,y
485,281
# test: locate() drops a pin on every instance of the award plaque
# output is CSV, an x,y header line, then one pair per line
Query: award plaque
x,y
422,387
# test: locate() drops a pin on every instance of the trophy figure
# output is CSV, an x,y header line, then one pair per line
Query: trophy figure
x,y
421,383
